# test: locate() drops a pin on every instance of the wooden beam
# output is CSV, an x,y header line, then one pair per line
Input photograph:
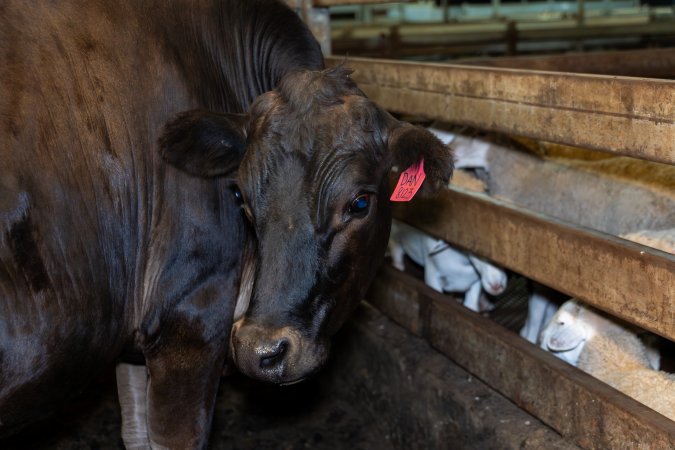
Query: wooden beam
x,y
629,116
628,280
570,401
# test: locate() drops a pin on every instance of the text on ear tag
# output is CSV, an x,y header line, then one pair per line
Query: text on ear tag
x,y
409,183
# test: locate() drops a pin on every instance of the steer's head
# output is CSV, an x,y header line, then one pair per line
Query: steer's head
x,y
313,159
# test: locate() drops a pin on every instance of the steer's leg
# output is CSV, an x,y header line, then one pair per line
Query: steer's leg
x,y
182,385
132,385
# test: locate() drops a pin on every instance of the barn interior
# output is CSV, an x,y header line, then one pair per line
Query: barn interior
x,y
572,104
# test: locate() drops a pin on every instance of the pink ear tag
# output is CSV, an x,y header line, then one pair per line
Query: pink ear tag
x,y
409,183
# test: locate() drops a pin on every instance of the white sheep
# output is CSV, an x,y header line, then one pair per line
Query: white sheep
x,y
469,152
663,240
610,352
446,269
542,304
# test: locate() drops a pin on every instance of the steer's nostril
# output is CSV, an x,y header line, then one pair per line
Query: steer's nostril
x,y
273,355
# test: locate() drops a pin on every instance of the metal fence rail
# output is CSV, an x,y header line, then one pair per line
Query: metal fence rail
x,y
629,116
621,115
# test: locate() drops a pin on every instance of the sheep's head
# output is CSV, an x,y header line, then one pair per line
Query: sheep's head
x,y
570,328
492,278
567,332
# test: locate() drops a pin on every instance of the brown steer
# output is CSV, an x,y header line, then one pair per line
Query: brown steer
x,y
274,200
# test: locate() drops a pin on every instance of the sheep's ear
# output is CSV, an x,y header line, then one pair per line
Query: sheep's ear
x,y
411,145
566,338
438,246
203,143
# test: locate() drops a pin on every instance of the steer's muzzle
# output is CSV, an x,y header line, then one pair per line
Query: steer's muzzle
x,y
276,355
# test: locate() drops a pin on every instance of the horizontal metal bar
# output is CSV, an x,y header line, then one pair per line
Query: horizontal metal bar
x,y
652,63
628,280
629,116
328,3
439,32
610,27
352,2
578,406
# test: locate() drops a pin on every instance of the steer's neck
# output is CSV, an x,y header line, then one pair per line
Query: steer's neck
x,y
240,51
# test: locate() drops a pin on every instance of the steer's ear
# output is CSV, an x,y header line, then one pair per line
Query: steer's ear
x,y
203,143
409,145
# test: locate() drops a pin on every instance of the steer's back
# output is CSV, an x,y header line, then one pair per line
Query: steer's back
x,y
79,115
102,244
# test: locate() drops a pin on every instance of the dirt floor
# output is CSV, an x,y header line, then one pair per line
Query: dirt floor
x,y
382,389
248,415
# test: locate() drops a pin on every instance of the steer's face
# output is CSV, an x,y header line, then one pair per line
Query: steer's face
x,y
313,185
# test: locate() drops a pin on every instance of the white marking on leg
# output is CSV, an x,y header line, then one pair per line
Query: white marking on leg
x,y
132,383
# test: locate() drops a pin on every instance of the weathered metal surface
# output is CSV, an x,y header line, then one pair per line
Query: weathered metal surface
x,y
651,63
630,116
441,32
352,2
628,280
596,27
456,38
582,409
318,21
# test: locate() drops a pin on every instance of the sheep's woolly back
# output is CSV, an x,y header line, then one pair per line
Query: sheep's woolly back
x,y
552,150
653,175
613,351
464,179
663,240
619,359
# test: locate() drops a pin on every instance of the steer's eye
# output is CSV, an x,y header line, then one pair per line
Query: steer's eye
x,y
359,206
240,201
237,195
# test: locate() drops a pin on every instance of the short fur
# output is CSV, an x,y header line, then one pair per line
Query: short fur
x,y
147,163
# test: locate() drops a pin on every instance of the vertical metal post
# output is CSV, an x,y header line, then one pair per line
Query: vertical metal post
x,y
318,21
496,9
293,4
511,38
367,14
446,11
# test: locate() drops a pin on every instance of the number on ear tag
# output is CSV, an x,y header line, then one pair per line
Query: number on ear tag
x,y
409,183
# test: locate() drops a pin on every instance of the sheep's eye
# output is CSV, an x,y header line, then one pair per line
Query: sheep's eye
x,y
360,205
